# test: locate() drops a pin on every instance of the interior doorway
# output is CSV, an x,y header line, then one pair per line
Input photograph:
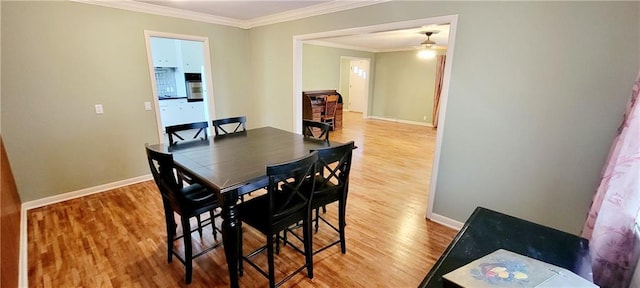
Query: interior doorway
x,y
452,20
180,73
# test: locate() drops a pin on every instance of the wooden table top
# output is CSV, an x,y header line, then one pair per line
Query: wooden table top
x,y
238,161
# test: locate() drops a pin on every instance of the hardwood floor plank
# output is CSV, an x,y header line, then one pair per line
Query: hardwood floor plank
x,y
117,238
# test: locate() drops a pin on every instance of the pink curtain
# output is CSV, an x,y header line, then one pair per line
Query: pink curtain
x,y
440,60
610,225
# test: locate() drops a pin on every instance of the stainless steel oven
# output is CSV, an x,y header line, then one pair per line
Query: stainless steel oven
x,y
194,86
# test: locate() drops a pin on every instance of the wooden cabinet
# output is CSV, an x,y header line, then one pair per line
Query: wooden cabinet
x,y
164,52
313,105
192,57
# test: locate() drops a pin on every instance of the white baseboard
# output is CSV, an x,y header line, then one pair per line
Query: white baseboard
x,y
446,221
23,265
83,192
401,121
23,271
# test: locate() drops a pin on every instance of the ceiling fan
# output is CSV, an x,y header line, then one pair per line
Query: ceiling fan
x,y
428,43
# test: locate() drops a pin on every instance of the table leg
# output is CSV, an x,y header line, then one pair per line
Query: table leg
x,y
231,234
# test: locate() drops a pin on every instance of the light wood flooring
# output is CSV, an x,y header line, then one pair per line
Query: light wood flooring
x,y
117,238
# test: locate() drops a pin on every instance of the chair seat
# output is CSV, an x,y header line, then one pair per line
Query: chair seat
x,y
255,212
325,192
196,192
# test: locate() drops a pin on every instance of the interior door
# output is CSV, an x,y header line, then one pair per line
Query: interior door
x,y
358,77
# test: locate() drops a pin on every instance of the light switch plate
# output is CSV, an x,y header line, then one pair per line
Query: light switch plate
x,y
99,109
147,106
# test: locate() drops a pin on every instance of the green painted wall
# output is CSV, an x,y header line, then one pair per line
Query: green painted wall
x,y
344,81
322,68
404,86
59,59
533,104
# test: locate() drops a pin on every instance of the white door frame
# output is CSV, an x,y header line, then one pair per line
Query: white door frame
x,y
208,79
297,86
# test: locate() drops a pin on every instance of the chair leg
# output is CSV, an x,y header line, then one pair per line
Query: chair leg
x,y
199,226
213,224
188,254
272,274
240,257
317,219
308,246
341,224
171,225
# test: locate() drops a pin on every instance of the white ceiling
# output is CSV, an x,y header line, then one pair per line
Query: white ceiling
x,y
247,14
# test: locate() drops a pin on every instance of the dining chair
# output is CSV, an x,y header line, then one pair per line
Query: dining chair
x,y
238,124
172,131
280,208
315,129
330,106
331,185
187,201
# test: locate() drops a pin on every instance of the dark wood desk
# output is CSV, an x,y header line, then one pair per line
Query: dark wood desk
x,y
235,164
486,231
313,105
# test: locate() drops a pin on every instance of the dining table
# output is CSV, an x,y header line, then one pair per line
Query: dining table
x,y
235,164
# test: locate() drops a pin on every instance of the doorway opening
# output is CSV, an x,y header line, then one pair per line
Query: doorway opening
x,y
298,41
180,73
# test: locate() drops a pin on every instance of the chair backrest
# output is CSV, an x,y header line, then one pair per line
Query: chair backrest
x,y
237,123
315,129
162,169
172,131
334,167
285,191
330,105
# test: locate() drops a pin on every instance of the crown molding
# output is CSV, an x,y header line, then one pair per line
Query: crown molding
x,y
167,11
340,46
310,11
324,8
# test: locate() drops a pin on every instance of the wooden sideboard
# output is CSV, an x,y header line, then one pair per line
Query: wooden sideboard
x,y
313,105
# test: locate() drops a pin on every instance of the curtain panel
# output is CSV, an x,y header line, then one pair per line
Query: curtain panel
x,y
611,222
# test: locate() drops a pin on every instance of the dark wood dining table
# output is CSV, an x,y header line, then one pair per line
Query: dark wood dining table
x,y
235,164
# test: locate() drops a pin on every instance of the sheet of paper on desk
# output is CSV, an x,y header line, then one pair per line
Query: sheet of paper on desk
x,y
503,268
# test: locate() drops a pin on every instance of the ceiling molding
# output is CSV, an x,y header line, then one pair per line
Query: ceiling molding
x,y
315,10
357,48
167,11
320,9
340,46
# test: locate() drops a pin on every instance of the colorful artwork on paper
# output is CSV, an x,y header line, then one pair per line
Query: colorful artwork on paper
x,y
502,268
504,272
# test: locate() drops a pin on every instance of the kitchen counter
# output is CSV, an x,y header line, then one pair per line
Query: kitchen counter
x,y
171,97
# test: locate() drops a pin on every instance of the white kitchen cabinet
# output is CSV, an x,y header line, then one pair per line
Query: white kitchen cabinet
x,y
164,52
192,57
179,111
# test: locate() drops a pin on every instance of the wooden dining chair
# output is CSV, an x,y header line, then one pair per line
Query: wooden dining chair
x,y
233,124
330,106
190,201
331,185
315,129
284,205
198,127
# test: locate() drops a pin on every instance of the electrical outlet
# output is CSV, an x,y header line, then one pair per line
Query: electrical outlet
x,y
147,106
99,109
424,117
